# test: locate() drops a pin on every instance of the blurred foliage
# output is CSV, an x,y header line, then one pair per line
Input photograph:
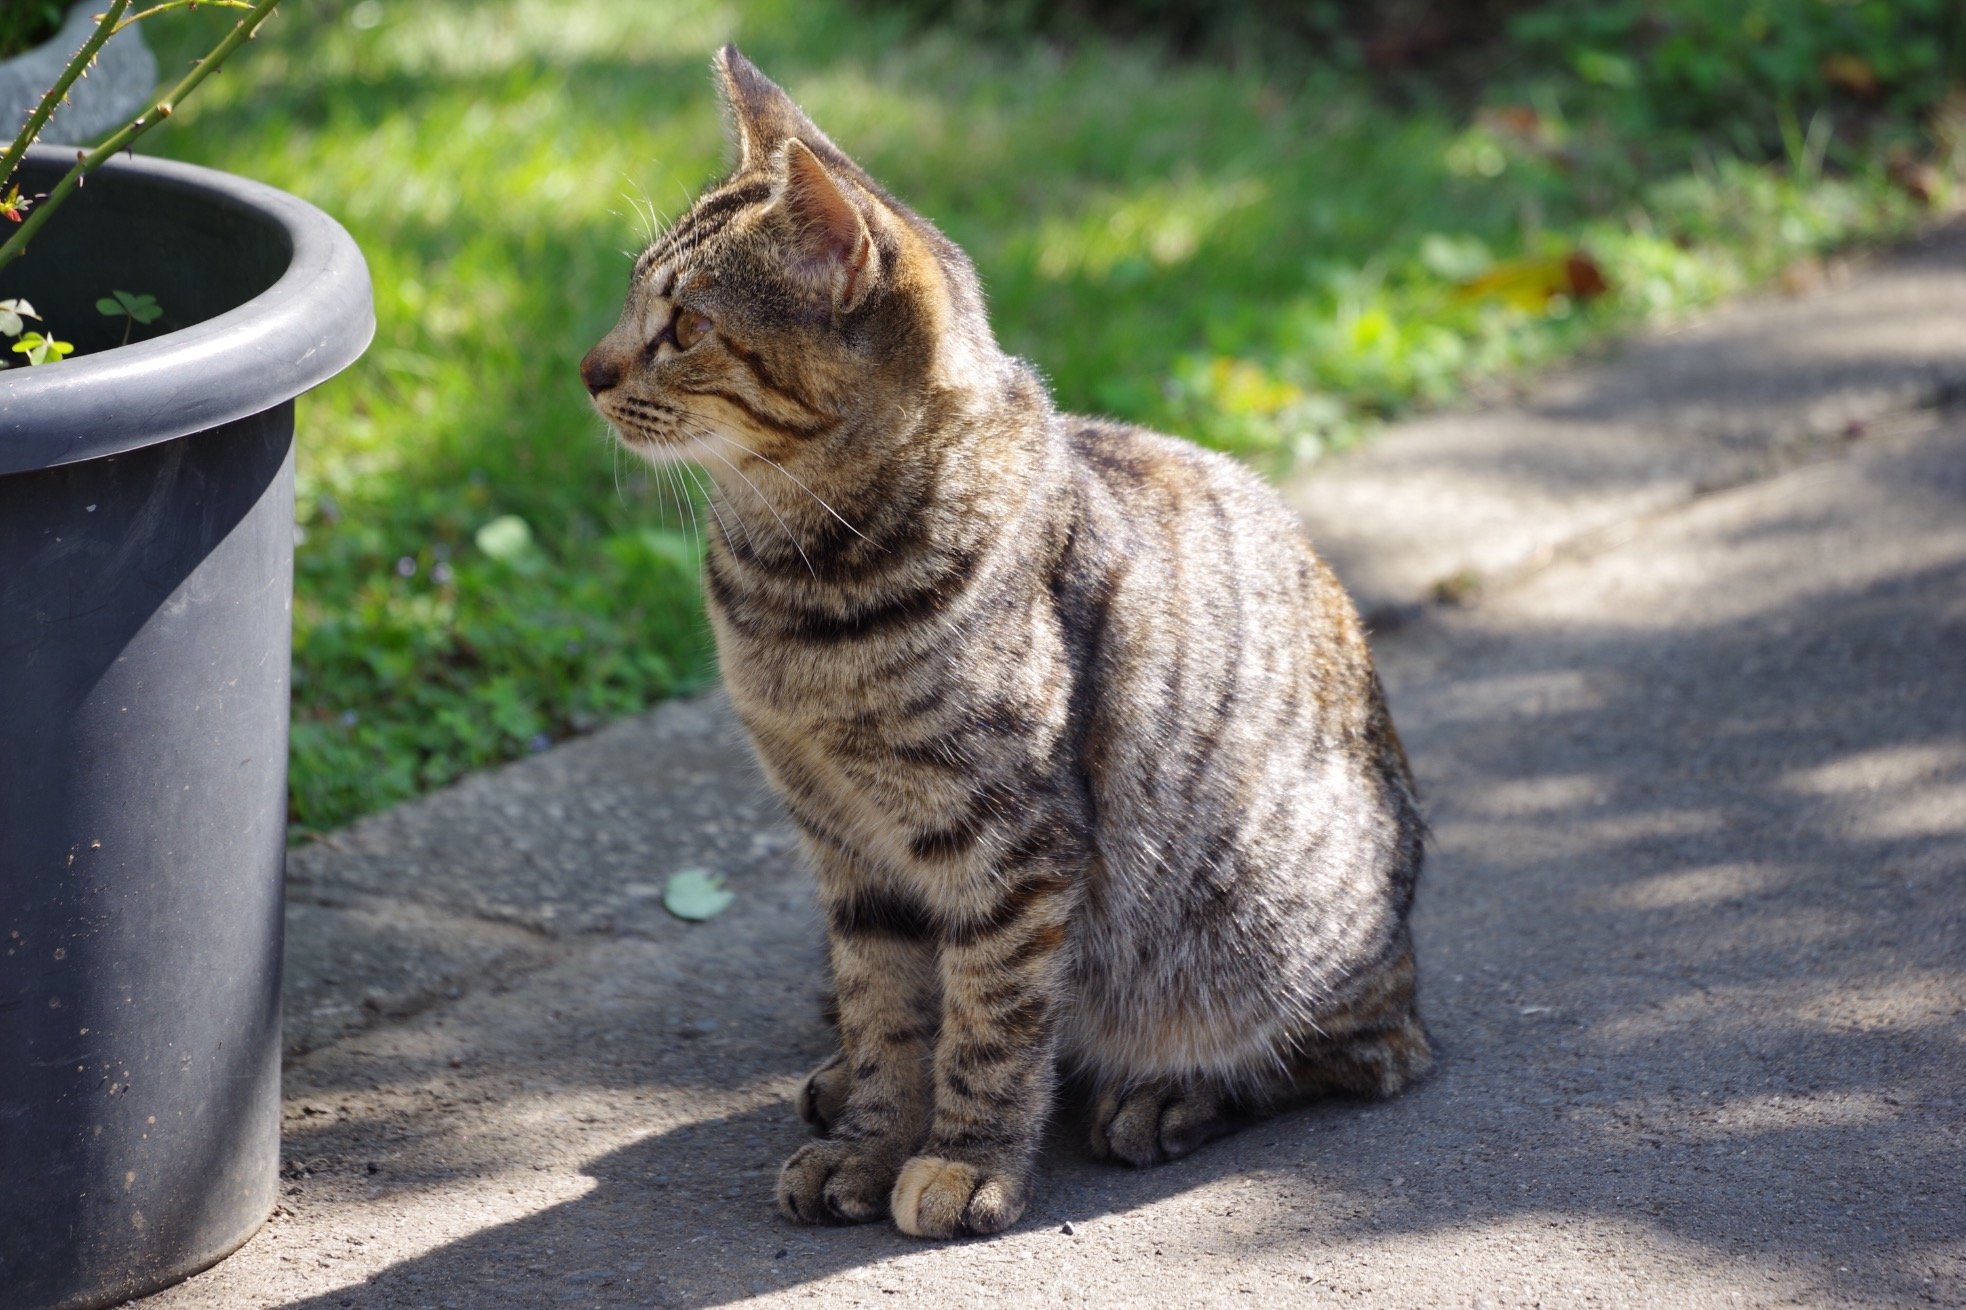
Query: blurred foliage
x,y
25,24
1270,256
1698,62
1736,67
1378,33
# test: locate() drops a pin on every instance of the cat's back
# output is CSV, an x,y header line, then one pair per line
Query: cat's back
x,y
1215,564
1257,830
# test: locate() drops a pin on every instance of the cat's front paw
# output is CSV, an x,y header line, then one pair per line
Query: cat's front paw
x,y
823,1096
835,1183
935,1197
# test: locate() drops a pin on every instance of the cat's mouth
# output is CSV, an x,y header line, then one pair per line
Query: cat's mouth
x,y
636,423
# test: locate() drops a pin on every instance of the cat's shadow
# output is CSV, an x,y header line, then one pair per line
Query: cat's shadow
x,y
1711,1014
684,1218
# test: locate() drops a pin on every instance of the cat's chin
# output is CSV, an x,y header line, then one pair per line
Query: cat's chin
x,y
657,450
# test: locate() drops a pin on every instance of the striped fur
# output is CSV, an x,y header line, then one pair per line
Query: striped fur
x,y
1084,742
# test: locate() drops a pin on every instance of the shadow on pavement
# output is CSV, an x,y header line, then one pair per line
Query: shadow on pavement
x,y
1692,937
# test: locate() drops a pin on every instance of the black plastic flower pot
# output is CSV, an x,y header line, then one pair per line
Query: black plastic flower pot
x,y
146,580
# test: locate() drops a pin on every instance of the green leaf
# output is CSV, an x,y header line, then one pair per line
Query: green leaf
x,y
1606,69
507,537
142,307
696,895
42,350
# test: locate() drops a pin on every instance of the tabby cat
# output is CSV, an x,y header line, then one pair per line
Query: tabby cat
x,y
1084,742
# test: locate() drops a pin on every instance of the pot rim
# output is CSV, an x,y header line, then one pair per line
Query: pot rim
x,y
314,321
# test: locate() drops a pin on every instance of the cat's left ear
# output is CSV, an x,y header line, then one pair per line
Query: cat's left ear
x,y
762,116
830,236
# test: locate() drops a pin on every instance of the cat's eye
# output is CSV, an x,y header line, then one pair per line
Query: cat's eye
x,y
691,328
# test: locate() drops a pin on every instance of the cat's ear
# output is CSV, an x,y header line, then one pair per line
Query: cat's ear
x,y
762,116
831,240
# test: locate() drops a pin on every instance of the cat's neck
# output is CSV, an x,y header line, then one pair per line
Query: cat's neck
x,y
954,472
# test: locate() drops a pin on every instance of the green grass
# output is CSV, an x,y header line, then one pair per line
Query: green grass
x,y
1267,262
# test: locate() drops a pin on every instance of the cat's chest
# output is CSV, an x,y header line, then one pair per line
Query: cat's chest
x,y
810,687
878,749
803,662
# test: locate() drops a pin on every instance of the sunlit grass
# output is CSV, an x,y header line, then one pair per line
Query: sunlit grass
x,y
1267,263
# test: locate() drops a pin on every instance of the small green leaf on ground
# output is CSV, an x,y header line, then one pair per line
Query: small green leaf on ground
x,y
507,537
696,895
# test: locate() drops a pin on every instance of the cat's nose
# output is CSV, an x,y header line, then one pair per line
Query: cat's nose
x,y
600,372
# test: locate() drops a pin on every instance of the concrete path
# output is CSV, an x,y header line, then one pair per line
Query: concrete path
x,y
1679,648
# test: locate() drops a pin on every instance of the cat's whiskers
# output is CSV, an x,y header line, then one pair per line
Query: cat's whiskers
x,y
644,209
709,495
683,510
614,465
616,436
795,478
699,432
683,507
648,440
765,500
688,199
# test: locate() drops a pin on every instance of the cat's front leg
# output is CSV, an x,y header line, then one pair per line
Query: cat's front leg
x,y
1002,982
883,962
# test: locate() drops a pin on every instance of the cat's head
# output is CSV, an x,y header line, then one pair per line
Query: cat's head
x,y
793,302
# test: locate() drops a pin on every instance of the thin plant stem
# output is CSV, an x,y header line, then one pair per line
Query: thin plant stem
x,y
168,5
105,28
161,109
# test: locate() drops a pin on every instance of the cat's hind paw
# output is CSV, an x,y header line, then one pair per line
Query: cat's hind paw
x,y
1156,1122
831,1183
935,1197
